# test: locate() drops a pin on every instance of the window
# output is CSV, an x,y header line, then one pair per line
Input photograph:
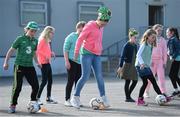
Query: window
x,y
34,11
88,10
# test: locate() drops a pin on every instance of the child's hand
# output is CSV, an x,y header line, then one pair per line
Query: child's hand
x,y
76,56
53,55
5,66
142,66
119,71
68,65
39,65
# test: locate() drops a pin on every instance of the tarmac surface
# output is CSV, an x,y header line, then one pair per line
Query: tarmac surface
x,y
114,92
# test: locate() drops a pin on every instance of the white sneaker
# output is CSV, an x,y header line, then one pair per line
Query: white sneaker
x,y
68,103
146,95
39,102
75,101
105,101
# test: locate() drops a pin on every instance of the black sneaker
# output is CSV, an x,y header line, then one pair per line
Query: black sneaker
x,y
175,93
51,101
130,100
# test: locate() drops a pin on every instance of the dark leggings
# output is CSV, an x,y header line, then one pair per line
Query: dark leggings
x,y
74,73
31,77
145,82
174,73
128,89
46,78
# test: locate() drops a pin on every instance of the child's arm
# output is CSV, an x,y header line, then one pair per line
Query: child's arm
x,y
139,56
8,55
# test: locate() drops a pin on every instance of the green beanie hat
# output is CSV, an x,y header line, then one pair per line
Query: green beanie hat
x,y
32,25
133,32
104,14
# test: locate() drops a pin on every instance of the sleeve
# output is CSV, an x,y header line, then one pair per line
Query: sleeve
x,y
85,32
67,43
123,56
139,54
171,49
16,43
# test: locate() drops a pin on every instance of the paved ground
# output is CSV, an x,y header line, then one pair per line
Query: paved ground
x,y
114,90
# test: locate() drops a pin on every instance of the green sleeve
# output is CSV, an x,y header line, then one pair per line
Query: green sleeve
x,y
67,43
16,43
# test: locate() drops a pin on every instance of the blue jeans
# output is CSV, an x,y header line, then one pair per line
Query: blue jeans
x,y
88,61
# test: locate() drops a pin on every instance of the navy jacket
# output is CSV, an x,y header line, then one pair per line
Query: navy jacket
x,y
127,53
174,47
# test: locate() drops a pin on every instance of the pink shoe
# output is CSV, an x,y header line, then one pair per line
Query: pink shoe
x,y
168,99
141,102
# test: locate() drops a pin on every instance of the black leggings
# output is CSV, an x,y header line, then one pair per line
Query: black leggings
x,y
31,77
145,82
74,73
174,73
128,89
46,78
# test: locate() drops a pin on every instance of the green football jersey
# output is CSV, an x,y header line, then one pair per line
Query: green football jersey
x,y
25,47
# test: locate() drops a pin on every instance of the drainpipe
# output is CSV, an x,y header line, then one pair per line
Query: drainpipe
x,y
127,16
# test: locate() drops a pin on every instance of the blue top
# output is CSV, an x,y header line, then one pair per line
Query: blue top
x,y
174,47
69,46
127,53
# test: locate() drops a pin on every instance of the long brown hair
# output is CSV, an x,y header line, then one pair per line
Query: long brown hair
x,y
146,34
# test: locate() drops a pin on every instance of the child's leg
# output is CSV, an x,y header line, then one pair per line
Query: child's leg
x,y
86,62
32,79
154,70
70,81
177,67
126,89
154,83
161,77
78,73
17,84
148,86
143,87
44,72
172,75
50,81
133,85
97,69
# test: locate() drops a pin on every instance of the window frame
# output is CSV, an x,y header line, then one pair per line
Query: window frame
x,y
81,4
44,11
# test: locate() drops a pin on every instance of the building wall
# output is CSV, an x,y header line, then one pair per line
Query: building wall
x,y
139,12
64,15
65,22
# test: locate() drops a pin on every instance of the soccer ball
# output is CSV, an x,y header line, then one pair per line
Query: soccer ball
x,y
33,107
160,99
96,104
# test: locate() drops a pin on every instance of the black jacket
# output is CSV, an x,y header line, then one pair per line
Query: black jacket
x,y
174,47
127,53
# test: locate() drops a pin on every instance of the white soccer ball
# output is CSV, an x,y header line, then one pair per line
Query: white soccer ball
x,y
95,103
161,99
33,107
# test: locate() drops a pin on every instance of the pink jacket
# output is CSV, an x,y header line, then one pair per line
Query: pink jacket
x,y
43,52
90,38
160,51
